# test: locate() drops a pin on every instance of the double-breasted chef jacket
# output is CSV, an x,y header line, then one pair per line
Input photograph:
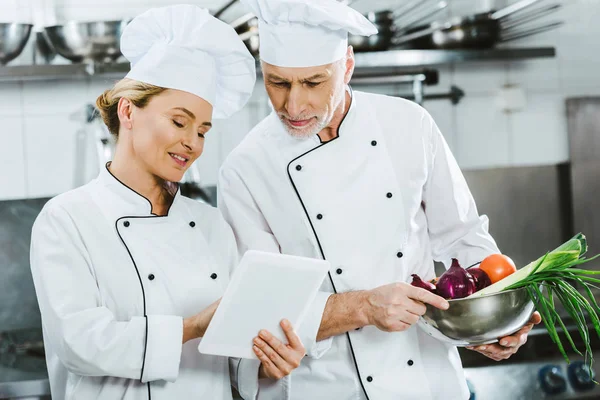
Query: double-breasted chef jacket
x,y
114,283
381,201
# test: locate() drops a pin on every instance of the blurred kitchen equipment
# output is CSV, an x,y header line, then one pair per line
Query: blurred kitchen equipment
x,y
529,16
224,8
389,30
87,41
13,38
247,28
482,30
388,17
480,320
44,49
44,14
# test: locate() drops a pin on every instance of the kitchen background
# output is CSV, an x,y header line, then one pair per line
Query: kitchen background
x,y
526,134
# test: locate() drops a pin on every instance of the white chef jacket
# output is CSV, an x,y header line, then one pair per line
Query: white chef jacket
x,y
114,283
381,201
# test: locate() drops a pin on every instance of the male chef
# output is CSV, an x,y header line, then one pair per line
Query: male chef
x,y
367,182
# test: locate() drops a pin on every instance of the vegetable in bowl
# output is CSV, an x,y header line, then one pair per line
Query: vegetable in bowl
x,y
547,279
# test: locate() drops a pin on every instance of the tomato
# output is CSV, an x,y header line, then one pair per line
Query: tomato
x,y
497,267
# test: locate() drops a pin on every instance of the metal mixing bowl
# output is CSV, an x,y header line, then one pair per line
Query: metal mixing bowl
x,y
479,320
94,41
13,38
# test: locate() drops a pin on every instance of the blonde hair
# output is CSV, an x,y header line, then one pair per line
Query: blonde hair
x,y
139,93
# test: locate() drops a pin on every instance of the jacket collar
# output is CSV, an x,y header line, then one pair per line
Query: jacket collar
x,y
127,201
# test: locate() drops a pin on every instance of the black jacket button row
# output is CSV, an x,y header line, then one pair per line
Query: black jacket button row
x,y
192,224
399,254
126,224
213,276
151,277
369,379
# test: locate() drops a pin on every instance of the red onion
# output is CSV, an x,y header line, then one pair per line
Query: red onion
x,y
482,280
456,283
418,282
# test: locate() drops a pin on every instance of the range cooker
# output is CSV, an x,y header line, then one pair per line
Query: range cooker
x,y
537,371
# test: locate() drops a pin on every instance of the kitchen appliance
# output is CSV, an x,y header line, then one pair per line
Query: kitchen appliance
x,y
537,371
23,372
13,38
87,41
583,122
22,363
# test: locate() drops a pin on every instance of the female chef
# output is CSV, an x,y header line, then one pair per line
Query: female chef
x,y
127,271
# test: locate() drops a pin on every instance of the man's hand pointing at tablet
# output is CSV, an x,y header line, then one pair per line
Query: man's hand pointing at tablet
x,y
278,359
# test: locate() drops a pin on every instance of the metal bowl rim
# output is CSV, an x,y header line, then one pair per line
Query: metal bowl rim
x,y
487,295
72,22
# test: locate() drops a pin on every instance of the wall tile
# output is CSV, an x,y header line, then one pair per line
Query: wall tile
x,y
12,159
51,148
535,74
480,78
539,133
54,97
482,133
11,99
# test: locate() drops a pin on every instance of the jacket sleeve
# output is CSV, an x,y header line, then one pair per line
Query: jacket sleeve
x,y
456,229
252,231
85,335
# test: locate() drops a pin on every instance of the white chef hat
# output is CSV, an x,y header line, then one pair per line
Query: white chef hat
x,y
306,33
183,47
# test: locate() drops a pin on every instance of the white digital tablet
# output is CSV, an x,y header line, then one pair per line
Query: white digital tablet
x,y
264,289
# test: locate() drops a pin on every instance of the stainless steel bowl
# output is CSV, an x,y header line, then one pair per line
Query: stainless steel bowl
x,y
94,41
13,38
479,320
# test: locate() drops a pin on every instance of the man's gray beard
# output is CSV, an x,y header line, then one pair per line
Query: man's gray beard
x,y
301,133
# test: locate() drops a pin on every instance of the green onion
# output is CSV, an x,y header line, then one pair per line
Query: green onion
x,y
553,272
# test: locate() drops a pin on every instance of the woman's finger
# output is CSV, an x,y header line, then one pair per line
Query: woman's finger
x,y
270,368
293,339
277,345
276,359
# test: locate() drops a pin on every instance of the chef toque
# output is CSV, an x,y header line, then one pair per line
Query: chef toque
x,y
183,47
306,33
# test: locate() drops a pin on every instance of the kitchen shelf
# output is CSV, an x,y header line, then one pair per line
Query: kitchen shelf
x,y
396,59
428,58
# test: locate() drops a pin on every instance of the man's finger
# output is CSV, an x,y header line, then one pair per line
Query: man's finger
x,y
536,318
293,339
416,307
408,318
425,296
